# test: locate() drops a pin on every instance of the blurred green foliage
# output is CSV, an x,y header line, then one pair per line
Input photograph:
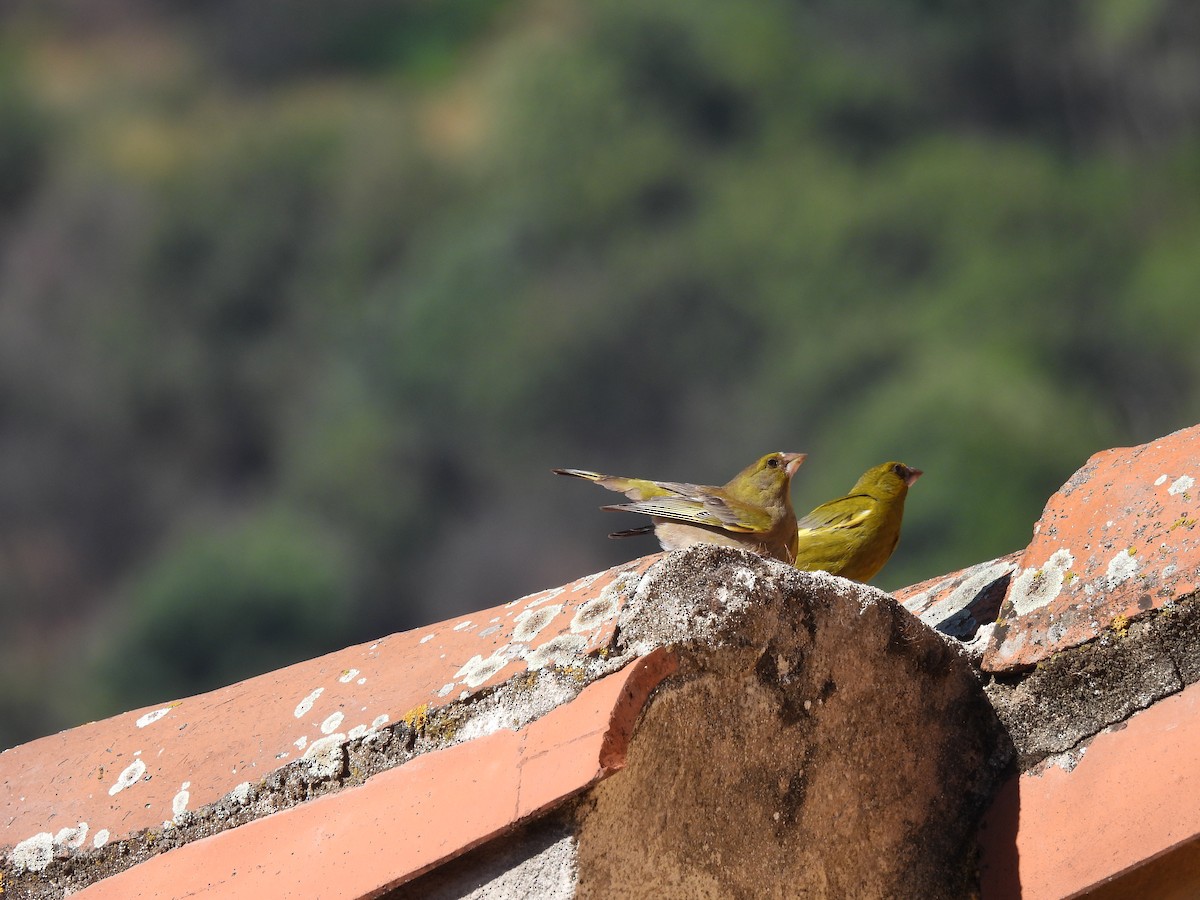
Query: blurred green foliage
x,y
299,302
219,607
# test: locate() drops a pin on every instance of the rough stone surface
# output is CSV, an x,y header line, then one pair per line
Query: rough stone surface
x,y
817,741
1119,539
538,860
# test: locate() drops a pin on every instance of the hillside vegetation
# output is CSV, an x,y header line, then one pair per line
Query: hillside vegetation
x,y
299,303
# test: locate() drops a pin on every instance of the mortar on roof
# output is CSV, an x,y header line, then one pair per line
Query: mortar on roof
x,y
1067,700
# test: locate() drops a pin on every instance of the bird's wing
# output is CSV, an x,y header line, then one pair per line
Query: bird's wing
x,y
699,505
633,488
844,513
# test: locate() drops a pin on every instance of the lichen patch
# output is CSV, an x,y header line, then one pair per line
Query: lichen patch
x,y
307,703
129,777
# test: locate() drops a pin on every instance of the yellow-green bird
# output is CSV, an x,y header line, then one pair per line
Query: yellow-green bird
x,y
753,511
853,536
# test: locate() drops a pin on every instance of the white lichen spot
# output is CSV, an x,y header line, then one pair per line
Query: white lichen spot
x,y
326,756
560,650
241,794
478,669
100,838
429,637
307,703
129,777
493,621
356,732
332,724
348,676
301,742
445,689
72,837
1181,485
1161,479
465,623
150,717
180,801
361,681
585,582
1168,570
1034,588
545,597
602,607
379,721
33,854
530,622
1121,568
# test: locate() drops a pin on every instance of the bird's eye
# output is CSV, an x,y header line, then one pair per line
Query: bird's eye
x,y
898,469
773,462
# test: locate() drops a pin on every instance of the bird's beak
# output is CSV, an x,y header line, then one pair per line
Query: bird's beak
x,y
913,475
792,462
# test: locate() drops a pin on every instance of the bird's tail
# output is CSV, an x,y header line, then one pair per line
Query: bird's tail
x,y
632,532
633,488
579,473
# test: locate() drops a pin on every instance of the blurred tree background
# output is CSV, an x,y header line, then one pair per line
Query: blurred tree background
x,y
300,301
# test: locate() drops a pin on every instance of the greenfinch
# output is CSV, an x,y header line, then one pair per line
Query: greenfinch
x,y
752,511
853,536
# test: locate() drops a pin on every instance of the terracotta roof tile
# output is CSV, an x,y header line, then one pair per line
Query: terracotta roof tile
x,y
1120,538
963,602
1132,796
361,840
107,780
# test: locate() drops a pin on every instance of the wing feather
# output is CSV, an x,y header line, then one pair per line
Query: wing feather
x,y
703,509
843,513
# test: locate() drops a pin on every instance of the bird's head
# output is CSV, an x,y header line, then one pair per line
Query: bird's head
x,y
766,482
887,480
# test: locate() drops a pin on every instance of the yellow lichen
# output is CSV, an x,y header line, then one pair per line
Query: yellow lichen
x,y
1121,625
578,674
442,731
417,718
